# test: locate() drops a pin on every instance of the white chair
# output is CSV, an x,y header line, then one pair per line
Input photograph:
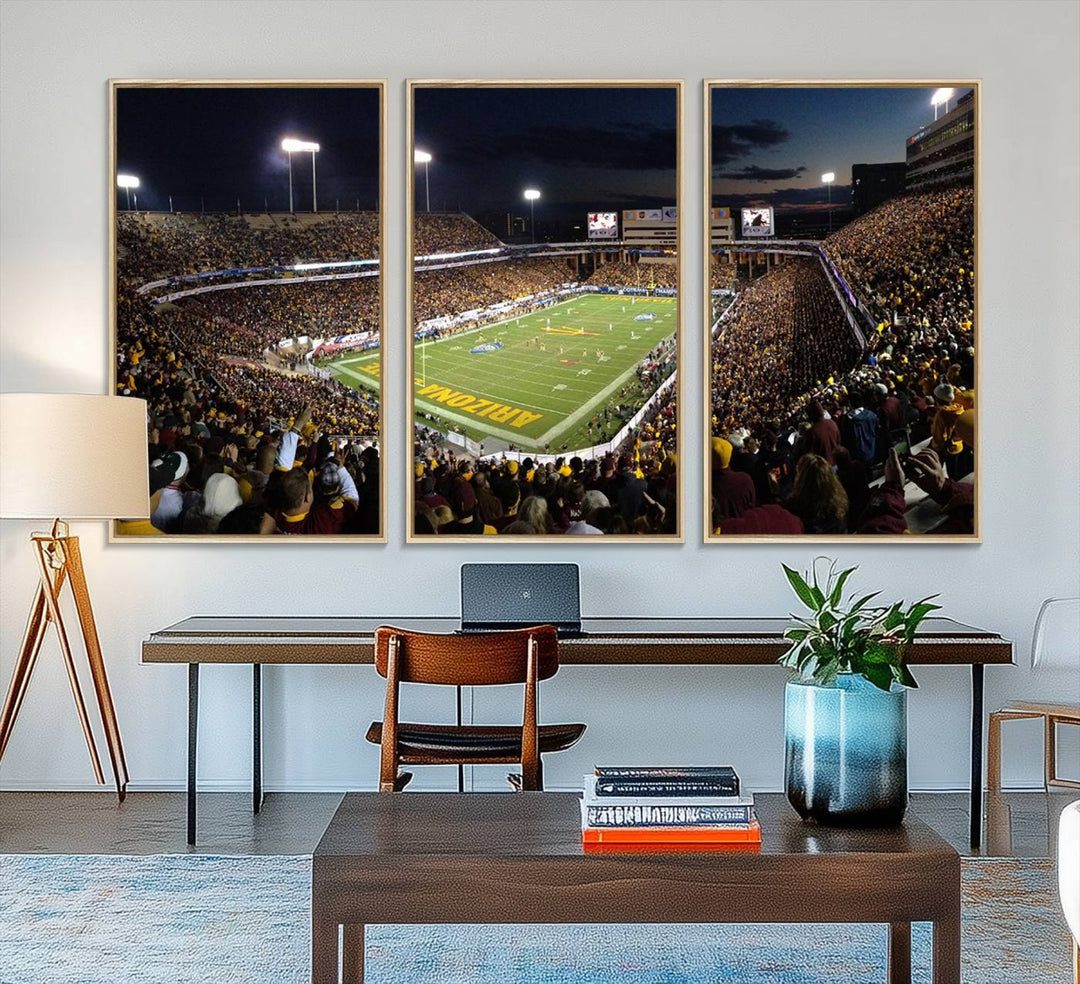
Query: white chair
x,y
1055,645
1069,875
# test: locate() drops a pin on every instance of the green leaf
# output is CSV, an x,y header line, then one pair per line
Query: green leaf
x,y
880,676
903,675
838,590
801,588
863,601
893,618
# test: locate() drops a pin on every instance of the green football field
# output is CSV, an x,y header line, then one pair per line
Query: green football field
x,y
556,369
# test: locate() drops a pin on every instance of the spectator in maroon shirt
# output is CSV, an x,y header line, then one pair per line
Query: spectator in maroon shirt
x,y
890,409
769,519
732,492
824,436
817,497
303,509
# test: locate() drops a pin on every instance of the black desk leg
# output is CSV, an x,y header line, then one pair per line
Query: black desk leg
x,y
976,753
461,767
192,748
256,738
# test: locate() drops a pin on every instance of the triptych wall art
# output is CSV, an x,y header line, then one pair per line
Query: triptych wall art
x,y
543,335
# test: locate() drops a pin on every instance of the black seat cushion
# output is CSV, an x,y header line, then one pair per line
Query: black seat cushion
x,y
474,742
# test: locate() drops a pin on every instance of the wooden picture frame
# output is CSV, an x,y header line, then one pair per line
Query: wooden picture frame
x,y
275,248
418,186
750,131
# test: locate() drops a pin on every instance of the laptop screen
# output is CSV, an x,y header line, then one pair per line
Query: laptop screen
x,y
516,595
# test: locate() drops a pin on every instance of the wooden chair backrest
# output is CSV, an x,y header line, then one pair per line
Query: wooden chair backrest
x,y
473,660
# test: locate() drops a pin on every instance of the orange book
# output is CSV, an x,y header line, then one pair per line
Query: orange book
x,y
748,834
638,848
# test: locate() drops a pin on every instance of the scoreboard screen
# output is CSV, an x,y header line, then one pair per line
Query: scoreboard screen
x,y
603,225
757,222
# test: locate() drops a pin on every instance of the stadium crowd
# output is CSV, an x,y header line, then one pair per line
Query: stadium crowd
x,y
454,290
156,245
272,313
804,423
623,274
632,492
454,232
785,334
238,442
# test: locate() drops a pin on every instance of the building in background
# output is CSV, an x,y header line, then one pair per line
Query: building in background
x,y
872,184
944,151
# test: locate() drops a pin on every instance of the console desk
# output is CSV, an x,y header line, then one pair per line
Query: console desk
x,y
618,641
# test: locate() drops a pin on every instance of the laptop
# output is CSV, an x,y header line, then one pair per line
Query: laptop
x,y
496,597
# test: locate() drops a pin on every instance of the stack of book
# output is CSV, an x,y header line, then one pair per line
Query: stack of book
x,y
678,806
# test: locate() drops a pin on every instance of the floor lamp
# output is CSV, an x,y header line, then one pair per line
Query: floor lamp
x,y
101,441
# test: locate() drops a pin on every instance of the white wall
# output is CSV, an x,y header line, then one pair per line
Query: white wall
x,y
56,58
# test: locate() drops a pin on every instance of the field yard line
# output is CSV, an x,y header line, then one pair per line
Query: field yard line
x,y
574,417
516,403
480,389
371,382
467,422
355,360
526,389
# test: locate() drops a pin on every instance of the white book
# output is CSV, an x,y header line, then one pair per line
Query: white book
x,y
591,799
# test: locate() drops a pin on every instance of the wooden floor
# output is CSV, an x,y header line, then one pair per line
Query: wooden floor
x,y
1021,824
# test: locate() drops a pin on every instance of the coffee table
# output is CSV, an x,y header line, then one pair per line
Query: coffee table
x,y
429,858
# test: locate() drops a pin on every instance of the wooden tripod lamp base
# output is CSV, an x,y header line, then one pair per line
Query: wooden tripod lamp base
x,y
59,561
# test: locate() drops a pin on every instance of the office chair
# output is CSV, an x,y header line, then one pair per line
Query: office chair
x,y
484,659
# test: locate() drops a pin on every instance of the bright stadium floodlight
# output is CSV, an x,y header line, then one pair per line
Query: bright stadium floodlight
x,y
827,179
941,97
531,194
291,145
423,157
127,182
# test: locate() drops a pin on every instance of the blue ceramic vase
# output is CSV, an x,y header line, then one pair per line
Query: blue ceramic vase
x,y
846,752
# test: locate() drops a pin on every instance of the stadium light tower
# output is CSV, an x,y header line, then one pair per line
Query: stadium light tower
x,y
127,182
941,97
423,157
290,144
531,194
827,179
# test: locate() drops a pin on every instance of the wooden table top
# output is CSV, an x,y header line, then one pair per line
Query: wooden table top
x,y
385,827
609,640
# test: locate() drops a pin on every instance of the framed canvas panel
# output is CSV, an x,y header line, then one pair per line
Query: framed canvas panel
x,y
841,273
245,232
543,305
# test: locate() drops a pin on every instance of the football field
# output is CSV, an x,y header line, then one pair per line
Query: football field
x,y
536,380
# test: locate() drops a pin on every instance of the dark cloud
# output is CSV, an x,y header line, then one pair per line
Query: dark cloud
x,y
617,200
625,148
754,173
729,143
788,199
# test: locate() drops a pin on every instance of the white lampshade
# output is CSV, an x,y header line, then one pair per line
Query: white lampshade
x,y
73,456
1055,643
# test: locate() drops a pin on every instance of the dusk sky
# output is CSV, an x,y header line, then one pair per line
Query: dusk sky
x,y
217,144
771,145
583,149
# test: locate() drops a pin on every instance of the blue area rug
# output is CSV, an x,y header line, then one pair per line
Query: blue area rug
x,y
246,920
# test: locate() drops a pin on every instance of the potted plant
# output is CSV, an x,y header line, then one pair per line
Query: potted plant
x,y
845,714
